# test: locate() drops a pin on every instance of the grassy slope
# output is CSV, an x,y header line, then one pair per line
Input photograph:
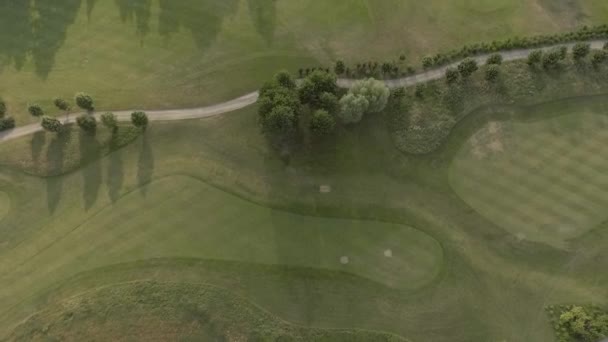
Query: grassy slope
x,y
492,287
168,312
160,54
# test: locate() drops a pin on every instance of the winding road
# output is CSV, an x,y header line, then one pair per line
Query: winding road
x,y
251,98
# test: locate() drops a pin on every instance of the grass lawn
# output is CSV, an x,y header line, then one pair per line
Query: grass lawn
x,y
165,54
188,202
543,179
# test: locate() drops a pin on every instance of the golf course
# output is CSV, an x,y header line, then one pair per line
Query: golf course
x,y
455,207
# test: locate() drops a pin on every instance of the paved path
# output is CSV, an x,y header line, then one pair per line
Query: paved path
x,y
251,98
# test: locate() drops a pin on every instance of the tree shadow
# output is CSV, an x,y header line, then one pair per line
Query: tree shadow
x,y
264,16
37,143
55,158
145,166
90,150
115,171
138,12
203,18
15,32
90,6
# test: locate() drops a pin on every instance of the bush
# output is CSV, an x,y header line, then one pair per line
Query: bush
x,y
562,52
281,121
427,62
139,119
84,101
451,75
51,124
61,104
7,123
2,108
535,57
492,73
352,108
322,123
339,68
35,110
315,84
109,120
284,79
580,50
587,324
329,102
494,59
376,93
467,67
87,123
551,59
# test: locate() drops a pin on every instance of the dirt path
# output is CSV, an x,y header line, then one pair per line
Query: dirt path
x,y
251,98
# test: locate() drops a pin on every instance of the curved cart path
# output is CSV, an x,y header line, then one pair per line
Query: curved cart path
x,y
251,98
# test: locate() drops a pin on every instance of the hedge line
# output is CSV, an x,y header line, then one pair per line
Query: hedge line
x,y
585,33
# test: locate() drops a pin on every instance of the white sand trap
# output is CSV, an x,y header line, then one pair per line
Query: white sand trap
x,y
388,253
344,260
324,189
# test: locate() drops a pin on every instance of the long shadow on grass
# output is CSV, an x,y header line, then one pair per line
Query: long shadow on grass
x,y
203,18
264,16
55,157
145,165
90,150
115,171
37,143
138,12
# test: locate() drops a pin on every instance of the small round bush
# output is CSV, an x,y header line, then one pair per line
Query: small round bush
x,y
109,120
7,123
61,104
495,59
451,75
492,73
35,110
2,108
139,119
84,101
322,123
87,122
51,124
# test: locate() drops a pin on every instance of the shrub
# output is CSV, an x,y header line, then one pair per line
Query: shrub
x,y
87,123
467,67
51,124
61,104
376,93
551,59
6,123
315,84
352,108
2,108
451,75
419,91
492,73
139,119
340,67
427,62
322,123
280,121
535,57
494,59
35,110
562,52
329,102
109,120
84,101
284,79
580,50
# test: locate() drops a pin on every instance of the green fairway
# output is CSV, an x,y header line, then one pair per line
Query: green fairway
x,y
165,54
541,180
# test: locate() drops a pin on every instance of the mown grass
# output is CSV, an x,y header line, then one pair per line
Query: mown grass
x,y
491,286
166,54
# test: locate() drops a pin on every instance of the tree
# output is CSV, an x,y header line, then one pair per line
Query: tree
x,y
2,108
427,62
583,324
451,75
387,67
322,123
51,124
580,50
87,123
467,67
139,119
110,121
315,84
340,67
551,60
281,121
492,72
598,57
84,101
35,110
329,102
495,58
375,92
61,104
6,123
535,57
352,108
284,79
562,52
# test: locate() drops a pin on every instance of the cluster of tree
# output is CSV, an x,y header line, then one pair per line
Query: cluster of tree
x,y
465,69
6,122
370,69
580,51
585,33
279,107
366,96
585,324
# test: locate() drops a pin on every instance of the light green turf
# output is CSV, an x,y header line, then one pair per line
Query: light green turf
x,y
5,204
543,180
161,54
